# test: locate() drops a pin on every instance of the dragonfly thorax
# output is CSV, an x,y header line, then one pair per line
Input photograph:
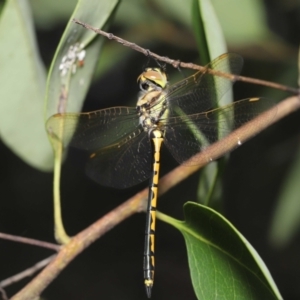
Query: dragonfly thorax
x,y
151,108
151,105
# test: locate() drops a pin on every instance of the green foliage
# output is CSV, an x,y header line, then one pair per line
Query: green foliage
x,y
286,220
67,92
211,43
242,24
22,90
285,224
208,32
222,262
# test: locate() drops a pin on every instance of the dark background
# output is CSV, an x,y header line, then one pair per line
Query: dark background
x,y
112,267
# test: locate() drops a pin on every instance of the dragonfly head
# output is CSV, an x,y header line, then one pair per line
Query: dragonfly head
x,y
152,79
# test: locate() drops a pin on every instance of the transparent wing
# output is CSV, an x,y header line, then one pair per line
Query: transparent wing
x,y
122,166
188,135
203,91
94,130
120,152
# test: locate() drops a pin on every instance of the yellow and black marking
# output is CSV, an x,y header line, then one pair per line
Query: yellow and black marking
x,y
184,115
156,137
153,79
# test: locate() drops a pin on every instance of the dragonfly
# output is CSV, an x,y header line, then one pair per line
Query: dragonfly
x,y
124,143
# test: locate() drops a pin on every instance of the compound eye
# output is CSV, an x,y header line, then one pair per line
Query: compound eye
x,y
144,86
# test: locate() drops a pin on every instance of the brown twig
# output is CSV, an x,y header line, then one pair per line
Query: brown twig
x,y
29,241
137,202
230,142
177,63
26,273
78,243
3,294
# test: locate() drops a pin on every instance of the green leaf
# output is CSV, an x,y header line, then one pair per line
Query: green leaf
x,y
69,79
242,22
286,222
211,43
23,79
49,13
209,36
179,10
222,263
206,22
209,189
66,89
73,65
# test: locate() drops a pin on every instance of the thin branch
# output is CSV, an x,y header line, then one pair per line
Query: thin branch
x,y
137,203
3,294
230,142
77,244
26,273
177,63
29,241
